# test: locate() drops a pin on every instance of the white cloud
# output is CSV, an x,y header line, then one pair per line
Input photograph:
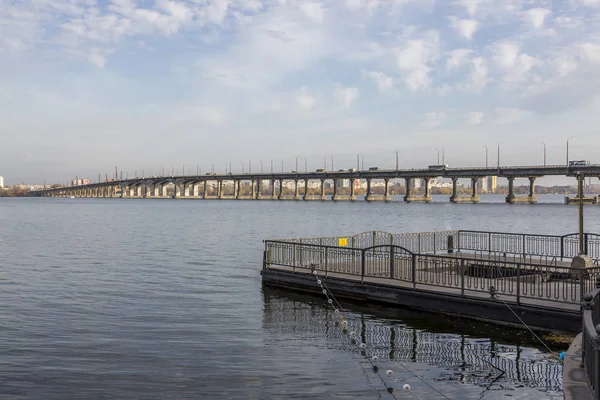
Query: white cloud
x,y
471,5
415,57
306,100
474,117
458,58
346,96
384,82
509,115
478,79
434,119
591,51
313,11
465,27
537,16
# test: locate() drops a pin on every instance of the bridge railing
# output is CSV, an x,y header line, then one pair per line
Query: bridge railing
x,y
591,339
518,282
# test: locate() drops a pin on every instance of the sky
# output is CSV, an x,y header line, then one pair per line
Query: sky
x,y
87,85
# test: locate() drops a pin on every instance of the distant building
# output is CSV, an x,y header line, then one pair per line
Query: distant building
x,y
1,182
492,183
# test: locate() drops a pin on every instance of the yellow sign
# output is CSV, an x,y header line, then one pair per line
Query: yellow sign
x,y
342,242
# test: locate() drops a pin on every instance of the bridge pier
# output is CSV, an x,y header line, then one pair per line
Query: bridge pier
x,y
511,198
409,198
455,198
386,194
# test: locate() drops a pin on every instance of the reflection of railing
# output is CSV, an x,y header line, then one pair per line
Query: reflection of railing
x,y
591,339
493,244
515,281
466,359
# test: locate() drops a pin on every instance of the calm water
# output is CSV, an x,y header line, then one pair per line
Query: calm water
x,y
163,299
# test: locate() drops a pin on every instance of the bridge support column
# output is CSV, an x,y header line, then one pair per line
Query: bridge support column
x,y
387,196
454,196
196,189
157,188
427,190
236,189
177,190
532,195
335,190
474,194
220,190
186,190
352,194
510,198
252,189
407,190
280,196
204,189
305,197
273,196
368,197
296,190
322,196
258,189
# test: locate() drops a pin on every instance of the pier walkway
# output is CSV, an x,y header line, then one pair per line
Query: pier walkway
x,y
498,277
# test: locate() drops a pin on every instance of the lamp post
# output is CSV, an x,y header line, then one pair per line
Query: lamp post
x,y
438,159
331,163
250,167
499,156
443,156
396,160
282,166
568,149
243,167
545,153
360,157
486,156
305,163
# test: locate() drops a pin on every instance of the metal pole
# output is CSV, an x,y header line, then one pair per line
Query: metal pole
x,y
396,160
544,153
580,195
438,159
296,163
486,156
261,167
499,156
243,167
568,149
271,166
443,157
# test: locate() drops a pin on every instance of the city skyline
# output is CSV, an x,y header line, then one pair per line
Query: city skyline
x,y
88,85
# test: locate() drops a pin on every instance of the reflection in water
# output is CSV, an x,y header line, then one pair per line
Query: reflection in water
x,y
456,358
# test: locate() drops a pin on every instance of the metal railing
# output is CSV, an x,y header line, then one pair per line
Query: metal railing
x,y
531,248
517,282
590,339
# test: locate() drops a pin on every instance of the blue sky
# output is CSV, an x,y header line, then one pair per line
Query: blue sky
x,y
88,85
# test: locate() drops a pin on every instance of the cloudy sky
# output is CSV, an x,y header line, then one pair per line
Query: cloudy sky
x,y
87,85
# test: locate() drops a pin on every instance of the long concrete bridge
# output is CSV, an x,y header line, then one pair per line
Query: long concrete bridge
x,y
270,186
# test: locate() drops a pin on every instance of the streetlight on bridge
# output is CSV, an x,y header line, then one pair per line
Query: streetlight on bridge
x,y
396,160
545,153
499,156
438,159
305,163
331,163
568,149
486,156
250,166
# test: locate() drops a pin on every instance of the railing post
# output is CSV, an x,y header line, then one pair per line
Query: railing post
x,y
489,243
562,247
362,265
458,241
391,262
326,251
462,278
585,249
300,251
518,284
434,246
419,239
524,252
414,270
265,257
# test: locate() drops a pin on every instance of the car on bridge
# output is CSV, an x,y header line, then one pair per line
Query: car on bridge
x,y
438,167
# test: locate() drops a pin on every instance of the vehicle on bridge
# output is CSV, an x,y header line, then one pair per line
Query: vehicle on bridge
x,y
579,163
320,170
438,167
373,168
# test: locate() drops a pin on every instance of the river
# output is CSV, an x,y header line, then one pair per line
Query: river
x,y
110,298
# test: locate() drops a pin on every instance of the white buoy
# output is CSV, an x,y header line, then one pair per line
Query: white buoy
x,y
406,388
374,358
389,372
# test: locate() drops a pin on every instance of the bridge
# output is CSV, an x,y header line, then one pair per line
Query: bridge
x,y
271,186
